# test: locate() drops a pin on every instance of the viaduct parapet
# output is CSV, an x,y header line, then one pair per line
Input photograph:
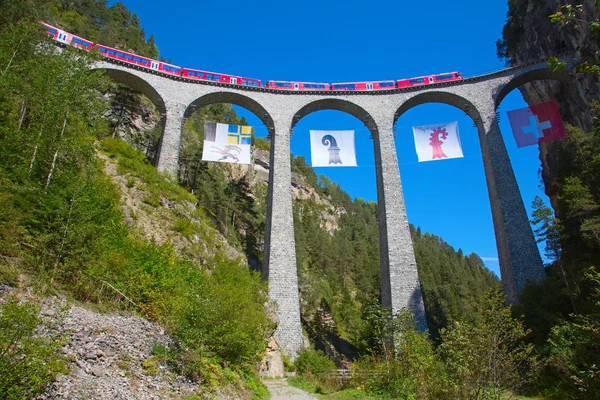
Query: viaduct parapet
x,y
280,110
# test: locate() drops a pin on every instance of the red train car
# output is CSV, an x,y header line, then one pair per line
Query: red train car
x,y
134,59
287,85
419,80
67,38
376,85
447,76
427,80
217,77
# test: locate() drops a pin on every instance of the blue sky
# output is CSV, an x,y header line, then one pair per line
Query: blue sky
x,y
338,41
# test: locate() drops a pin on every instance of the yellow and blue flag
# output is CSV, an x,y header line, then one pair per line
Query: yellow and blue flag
x,y
227,143
238,134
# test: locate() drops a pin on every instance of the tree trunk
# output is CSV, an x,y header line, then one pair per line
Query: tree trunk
x,y
56,153
36,147
22,116
14,54
64,237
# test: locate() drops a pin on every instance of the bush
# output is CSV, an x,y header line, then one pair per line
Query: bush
x,y
314,366
409,370
224,313
488,357
27,362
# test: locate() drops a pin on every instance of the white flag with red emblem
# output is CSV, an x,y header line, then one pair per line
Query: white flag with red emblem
x,y
437,142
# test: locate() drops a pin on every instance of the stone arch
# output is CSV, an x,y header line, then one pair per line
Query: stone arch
x,y
538,74
339,105
232,98
135,82
448,98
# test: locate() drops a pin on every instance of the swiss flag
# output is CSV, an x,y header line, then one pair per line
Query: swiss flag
x,y
536,124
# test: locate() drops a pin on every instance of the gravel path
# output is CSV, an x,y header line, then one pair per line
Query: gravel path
x,y
280,390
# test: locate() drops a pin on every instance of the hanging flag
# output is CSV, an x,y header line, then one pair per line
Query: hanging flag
x,y
536,124
332,149
436,142
226,143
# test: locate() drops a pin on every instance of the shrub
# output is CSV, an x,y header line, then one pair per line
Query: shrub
x,y
410,369
488,357
315,366
28,362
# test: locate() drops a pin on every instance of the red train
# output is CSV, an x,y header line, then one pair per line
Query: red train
x,y
427,80
67,38
194,74
286,85
218,77
378,85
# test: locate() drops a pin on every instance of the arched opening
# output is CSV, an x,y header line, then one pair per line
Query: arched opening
x,y
448,204
533,84
137,111
233,195
536,166
336,229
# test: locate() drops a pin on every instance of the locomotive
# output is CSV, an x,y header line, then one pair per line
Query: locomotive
x,y
67,38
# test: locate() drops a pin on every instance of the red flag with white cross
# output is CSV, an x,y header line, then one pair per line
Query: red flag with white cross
x,y
536,124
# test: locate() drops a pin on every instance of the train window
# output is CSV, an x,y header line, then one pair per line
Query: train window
x,y
102,49
110,52
137,59
443,77
415,81
145,62
52,31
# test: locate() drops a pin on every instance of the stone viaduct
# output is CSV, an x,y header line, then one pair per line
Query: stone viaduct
x,y
478,97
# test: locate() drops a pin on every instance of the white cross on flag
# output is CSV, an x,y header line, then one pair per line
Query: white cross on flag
x,y
536,124
437,142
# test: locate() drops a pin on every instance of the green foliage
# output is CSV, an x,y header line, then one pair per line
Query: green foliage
x,y
573,351
113,25
262,144
237,208
575,20
486,358
62,221
28,362
224,314
314,366
407,368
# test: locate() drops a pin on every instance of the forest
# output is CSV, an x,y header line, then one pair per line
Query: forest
x,y
63,229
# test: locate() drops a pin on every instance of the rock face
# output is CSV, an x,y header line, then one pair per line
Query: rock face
x,y
134,119
530,36
301,190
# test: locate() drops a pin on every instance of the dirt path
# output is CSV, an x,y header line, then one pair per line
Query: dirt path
x,y
280,390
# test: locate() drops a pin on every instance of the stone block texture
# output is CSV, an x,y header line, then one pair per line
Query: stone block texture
x,y
279,110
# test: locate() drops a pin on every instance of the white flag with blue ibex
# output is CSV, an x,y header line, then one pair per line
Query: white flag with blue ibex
x,y
332,149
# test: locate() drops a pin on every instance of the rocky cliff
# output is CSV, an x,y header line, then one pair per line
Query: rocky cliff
x,y
528,36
